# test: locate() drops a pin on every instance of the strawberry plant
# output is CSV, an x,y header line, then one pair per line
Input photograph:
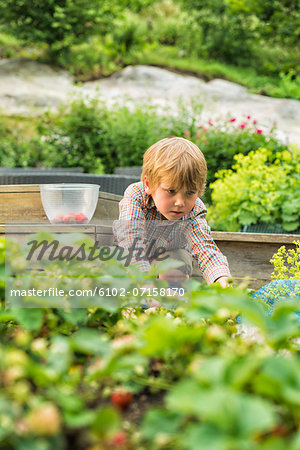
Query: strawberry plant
x,y
102,378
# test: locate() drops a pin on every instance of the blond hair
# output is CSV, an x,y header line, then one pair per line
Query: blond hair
x,y
177,160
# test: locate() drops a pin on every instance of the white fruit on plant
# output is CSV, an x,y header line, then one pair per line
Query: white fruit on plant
x,y
22,337
39,346
16,357
44,420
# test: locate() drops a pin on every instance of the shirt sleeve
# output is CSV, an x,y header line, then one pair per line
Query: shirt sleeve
x,y
129,229
212,263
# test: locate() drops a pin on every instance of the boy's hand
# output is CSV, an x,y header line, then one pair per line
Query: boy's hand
x,y
223,281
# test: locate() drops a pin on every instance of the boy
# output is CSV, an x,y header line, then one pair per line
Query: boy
x,y
173,178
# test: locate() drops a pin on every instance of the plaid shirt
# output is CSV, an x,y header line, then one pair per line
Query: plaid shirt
x,y
138,207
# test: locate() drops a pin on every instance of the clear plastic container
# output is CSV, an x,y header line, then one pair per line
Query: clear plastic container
x,y
69,203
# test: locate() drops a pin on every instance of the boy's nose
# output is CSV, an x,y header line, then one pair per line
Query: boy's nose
x,y
179,201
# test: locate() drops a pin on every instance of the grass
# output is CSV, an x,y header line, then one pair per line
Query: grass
x,y
168,57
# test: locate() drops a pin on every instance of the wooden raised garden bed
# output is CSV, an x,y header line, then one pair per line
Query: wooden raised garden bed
x,y
248,253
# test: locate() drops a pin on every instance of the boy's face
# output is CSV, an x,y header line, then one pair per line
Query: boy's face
x,y
171,203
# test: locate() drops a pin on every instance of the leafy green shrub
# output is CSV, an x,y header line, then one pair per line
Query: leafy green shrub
x,y
289,85
129,33
286,262
58,24
227,34
74,137
261,187
15,151
9,46
91,135
90,60
221,141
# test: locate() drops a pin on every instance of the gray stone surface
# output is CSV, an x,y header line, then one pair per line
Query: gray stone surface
x,y
28,87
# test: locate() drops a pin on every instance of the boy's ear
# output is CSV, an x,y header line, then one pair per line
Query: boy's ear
x,y
146,184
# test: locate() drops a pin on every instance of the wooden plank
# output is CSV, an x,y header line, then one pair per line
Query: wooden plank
x,y
22,234
10,188
254,237
251,259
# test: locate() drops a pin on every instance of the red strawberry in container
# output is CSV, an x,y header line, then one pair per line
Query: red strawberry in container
x,y
70,218
81,218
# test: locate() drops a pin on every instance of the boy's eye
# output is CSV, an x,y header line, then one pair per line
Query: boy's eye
x,y
190,193
171,191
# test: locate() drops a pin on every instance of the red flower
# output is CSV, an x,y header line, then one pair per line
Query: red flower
x,y
197,136
254,122
243,125
187,133
258,131
248,117
233,119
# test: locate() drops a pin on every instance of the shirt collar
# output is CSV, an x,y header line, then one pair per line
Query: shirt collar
x,y
149,201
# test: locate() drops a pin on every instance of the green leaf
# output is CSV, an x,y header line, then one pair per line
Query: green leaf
x,y
157,421
184,397
90,342
59,356
29,318
76,316
246,218
67,399
291,226
106,422
79,419
203,437
236,413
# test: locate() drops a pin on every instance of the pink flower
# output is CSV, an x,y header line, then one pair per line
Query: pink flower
x,y
254,122
258,131
248,117
200,126
243,125
233,119
197,136
187,133
210,123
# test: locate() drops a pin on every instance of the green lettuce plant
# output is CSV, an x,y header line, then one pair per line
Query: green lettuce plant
x,y
262,187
